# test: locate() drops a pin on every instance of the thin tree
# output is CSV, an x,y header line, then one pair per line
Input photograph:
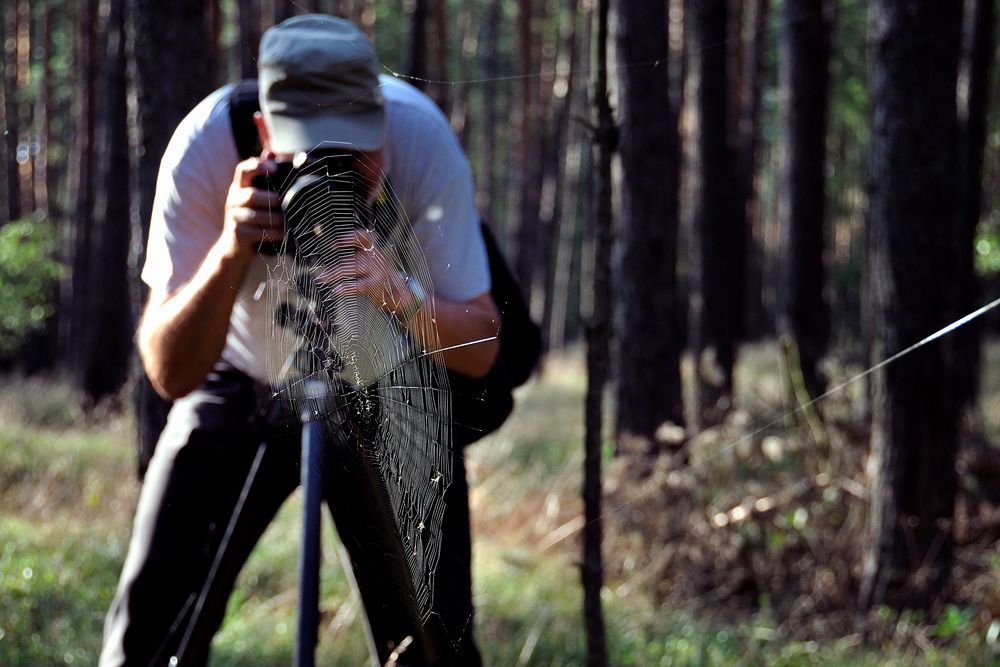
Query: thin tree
x,y
106,330
973,103
912,479
554,174
748,134
249,22
418,43
8,72
648,390
529,146
487,180
83,188
719,238
598,328
804,312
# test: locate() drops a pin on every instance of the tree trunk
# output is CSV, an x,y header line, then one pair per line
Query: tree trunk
x,y
912,480
439,50
598,341
459,111
43,100
106,329
529,149
805,313
973,102
718,225
27,142
487,178
648,389
12,188
418,44
160,41
74,291
552,211
249,17
748,159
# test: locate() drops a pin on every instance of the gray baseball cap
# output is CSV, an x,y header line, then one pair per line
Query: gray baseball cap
x,y
318,79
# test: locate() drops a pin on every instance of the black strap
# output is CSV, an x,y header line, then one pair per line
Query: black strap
x,y
243,104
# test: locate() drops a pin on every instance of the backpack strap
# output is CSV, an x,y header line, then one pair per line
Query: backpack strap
x,y
243,104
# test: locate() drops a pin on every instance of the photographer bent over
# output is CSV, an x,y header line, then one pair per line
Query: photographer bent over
x,y
201,340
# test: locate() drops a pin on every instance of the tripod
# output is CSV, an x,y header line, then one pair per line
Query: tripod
x,y
313,410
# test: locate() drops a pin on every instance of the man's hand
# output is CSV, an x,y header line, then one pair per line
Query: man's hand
x,y
360,267
466,331
253,216
182,334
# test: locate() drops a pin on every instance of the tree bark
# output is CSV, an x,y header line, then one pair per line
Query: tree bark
x,y
107,327
551,212
748,159
43,100
27,142
912,480
418,44
529,149
160,39
598,342
487,179
11,190
648,389
718,225
249,18
74,290
805,313
973,103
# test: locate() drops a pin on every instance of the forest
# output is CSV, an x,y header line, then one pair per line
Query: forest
x,y
761,239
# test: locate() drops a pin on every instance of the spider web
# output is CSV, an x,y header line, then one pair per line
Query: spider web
x,y
387,396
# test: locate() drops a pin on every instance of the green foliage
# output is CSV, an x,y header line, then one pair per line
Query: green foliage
x,y
28,273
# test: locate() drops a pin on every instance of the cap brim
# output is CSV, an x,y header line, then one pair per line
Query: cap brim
x,y
361,128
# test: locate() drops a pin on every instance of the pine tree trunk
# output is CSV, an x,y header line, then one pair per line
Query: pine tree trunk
x,y
43,37
973,104
718,225
74,292
249,18
598,342
648,390
418,44
748,159
529,150
805,313
160,40
487,179
12,185
28,144
552,211
107,326
912,480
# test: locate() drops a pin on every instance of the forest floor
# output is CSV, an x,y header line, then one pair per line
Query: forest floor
x,y
748,555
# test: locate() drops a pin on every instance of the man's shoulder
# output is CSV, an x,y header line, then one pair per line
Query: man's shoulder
x,y
206,127
407,104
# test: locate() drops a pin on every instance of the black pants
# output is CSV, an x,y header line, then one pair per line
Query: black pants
x,y
194,481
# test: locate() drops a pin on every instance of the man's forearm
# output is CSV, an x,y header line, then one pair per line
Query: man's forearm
x,y
467,331
182,335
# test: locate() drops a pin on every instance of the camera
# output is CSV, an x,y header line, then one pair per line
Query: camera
x,y
316,188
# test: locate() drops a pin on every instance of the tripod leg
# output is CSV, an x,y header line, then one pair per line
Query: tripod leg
x,y
308,612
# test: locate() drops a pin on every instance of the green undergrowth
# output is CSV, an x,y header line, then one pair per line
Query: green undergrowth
x,y
67,492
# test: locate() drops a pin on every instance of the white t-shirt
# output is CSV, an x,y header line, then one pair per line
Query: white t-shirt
x,y
430,177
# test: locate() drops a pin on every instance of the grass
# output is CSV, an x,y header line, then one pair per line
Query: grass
x,y
67,492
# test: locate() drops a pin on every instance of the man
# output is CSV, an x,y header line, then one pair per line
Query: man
x,y
201,338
